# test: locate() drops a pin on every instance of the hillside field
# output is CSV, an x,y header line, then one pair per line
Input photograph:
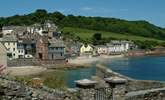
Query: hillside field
x,y
86,34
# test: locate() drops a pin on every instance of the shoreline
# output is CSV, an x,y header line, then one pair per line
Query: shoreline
x,y
90,60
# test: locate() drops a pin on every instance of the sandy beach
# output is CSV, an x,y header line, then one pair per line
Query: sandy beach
x,y
23,71
89,60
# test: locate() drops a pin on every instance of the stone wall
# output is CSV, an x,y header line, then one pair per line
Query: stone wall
x,y
33,62
152,94
12,90
22,62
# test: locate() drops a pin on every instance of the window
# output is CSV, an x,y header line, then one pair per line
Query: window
x,y
52,56
19,51
13,49
8,43
14,54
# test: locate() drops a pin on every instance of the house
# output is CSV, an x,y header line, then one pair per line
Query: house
x,y
13,30
29,45
10,43
102,49
3,55
49,51
86,50
7,29
21,49
50,28
36,28
72,49
119,47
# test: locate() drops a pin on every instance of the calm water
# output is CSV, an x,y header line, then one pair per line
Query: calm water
x,y
145,68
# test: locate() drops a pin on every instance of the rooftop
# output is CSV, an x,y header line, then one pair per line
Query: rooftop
x,y
9,38
56,43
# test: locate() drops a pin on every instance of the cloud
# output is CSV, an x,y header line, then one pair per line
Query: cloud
x,y
64,10
86,8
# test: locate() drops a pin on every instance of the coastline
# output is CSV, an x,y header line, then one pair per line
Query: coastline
x,y
90,60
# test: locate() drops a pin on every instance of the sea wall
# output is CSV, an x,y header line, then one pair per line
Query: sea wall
x,y
152,94
132,84
22,62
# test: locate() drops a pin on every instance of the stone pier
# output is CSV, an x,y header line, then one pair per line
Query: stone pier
x,y
86,89
118,87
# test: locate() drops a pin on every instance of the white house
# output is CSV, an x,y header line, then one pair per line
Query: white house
x,y
3,55
7,29
10,42
118,47
101,49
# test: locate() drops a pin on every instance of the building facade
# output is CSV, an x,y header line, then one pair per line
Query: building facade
x,y
101,49
86,49
50,50
3,55
118,47
10,43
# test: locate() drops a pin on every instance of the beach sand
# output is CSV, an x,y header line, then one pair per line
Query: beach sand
x,y
89,60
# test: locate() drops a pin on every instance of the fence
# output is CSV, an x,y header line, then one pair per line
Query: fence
x,y
103,94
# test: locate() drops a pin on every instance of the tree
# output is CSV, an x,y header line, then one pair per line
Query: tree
x,y
96,39
97,36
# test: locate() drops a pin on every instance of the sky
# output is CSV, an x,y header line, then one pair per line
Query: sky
x,y
150,10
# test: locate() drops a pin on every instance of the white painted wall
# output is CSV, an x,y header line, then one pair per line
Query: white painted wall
x,y
3,55
118,48
102,50
12,48
5,32
21,52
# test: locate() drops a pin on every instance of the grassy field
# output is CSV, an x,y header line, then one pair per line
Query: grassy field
x,y
85,34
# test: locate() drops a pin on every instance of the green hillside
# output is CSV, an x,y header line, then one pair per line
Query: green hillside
x,y
108,25
87,34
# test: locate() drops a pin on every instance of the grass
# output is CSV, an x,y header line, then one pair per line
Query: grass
x,y
86,34
51,79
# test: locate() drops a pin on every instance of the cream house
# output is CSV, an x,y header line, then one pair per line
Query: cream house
x,y
3,55
86,49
